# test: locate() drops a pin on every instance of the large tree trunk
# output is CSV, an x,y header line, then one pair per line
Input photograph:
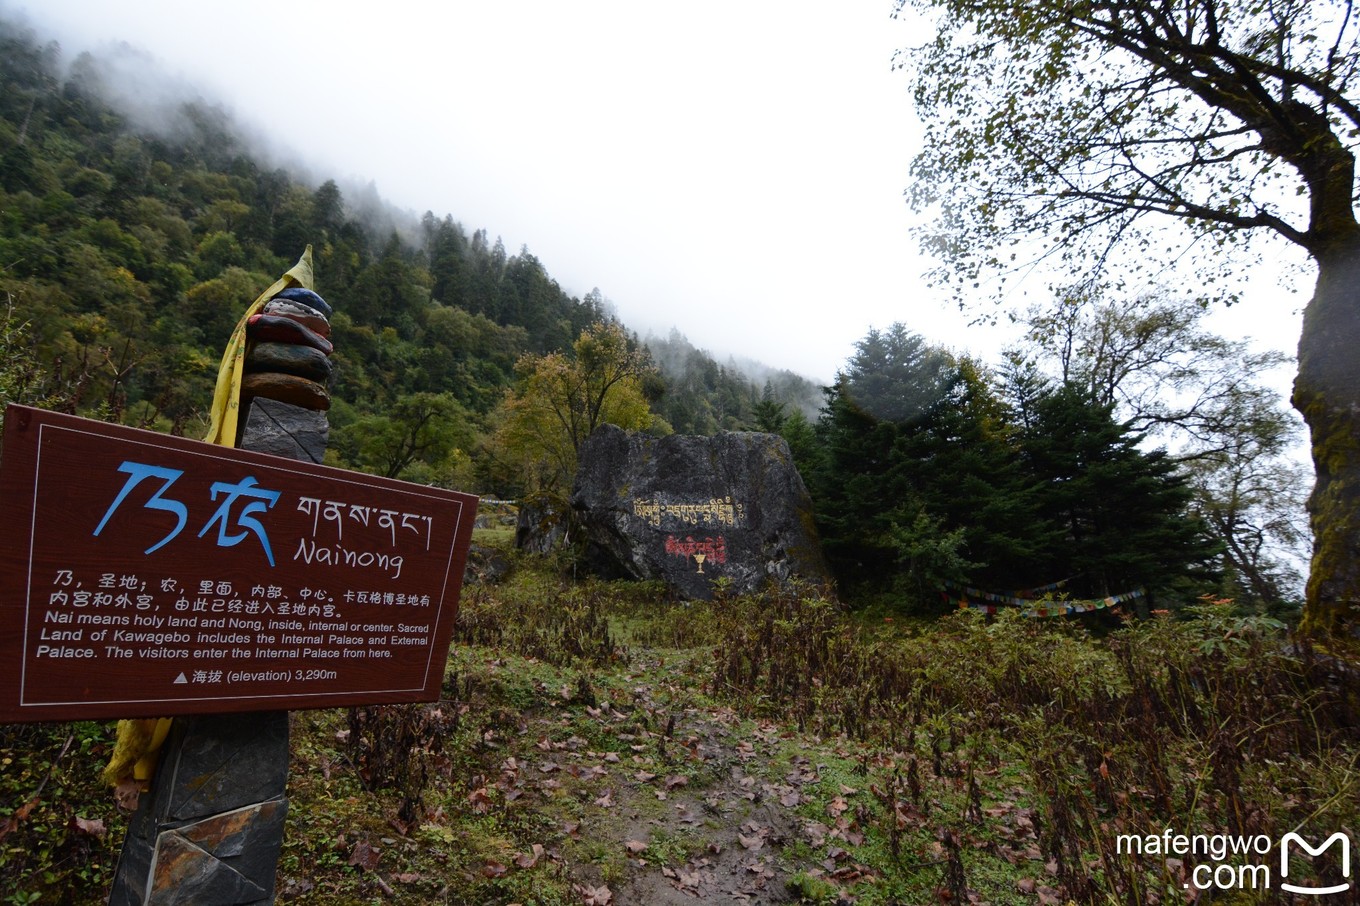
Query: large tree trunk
x,y
1327,393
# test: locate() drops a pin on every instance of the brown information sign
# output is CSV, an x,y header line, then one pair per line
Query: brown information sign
x,y
146,575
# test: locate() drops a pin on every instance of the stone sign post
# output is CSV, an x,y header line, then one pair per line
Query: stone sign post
x,y
143,575
211,831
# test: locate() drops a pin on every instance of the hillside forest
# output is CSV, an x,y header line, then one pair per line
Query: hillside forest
x,y
1120,448
601,742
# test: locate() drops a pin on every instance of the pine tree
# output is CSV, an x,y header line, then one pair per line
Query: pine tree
x,y
921,483
1121,513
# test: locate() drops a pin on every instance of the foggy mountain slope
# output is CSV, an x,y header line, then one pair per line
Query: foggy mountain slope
x,y
141,217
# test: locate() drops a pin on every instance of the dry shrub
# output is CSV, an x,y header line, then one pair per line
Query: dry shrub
x,y
552,620
399,747
1214,724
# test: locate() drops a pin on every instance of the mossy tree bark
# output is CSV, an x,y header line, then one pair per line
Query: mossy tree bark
x,y
1327,394
1327,388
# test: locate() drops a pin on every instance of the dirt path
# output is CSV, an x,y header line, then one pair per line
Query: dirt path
x,y
736,818
705,812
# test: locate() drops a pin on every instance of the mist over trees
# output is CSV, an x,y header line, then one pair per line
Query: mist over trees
x,y
126,256
130,253
702,396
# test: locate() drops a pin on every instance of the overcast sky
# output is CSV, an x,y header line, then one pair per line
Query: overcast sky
x,y
732,169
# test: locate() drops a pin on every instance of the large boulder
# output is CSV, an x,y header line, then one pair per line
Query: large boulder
x,y
540,527
692,510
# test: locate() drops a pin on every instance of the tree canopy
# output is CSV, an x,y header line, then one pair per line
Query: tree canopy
x,y
932,479
1152,361
1056,131
561,398
128,253
1069,123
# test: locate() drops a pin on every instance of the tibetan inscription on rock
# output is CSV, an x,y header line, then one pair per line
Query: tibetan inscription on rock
x,y
714,512
713,515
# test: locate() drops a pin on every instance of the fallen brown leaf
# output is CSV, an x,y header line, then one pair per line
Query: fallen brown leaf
x,y
480,800
815,832
530,859
92,827
595,896
688,878
364,856
126,794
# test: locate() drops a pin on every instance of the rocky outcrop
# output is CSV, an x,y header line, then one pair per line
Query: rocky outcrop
x,y
485,566
692,510
540,527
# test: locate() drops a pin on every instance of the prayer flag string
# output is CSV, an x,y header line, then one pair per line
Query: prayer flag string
x,y
992,602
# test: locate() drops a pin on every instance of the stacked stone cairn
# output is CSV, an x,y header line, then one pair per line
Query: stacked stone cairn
x,y
288,358
211,829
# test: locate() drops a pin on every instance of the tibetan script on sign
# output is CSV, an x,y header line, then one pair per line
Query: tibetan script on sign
x,y
143,574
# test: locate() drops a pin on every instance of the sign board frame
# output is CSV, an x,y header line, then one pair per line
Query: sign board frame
x,y
149,575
